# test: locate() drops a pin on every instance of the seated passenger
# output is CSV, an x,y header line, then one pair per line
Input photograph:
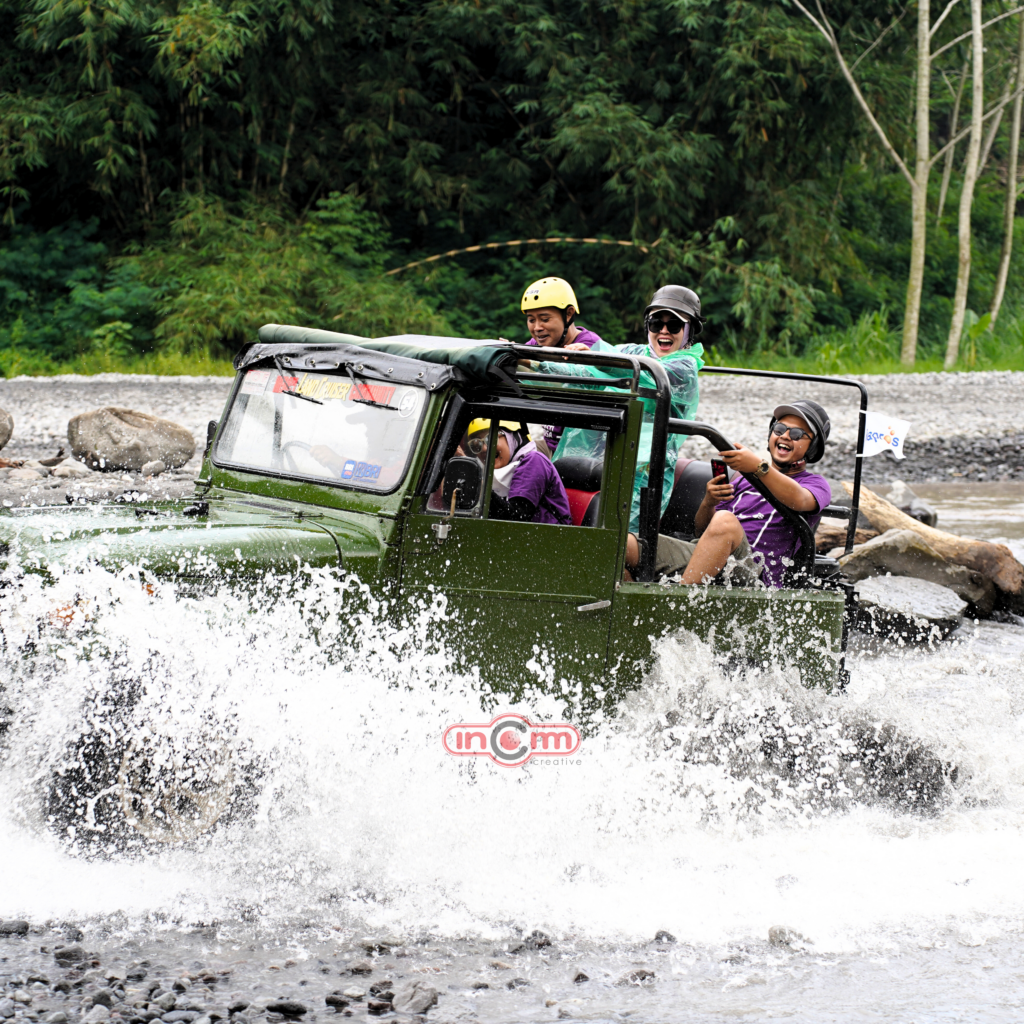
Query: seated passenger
x,y
735,524
526,486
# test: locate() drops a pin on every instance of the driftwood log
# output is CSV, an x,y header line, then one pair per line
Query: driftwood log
x,y
995,561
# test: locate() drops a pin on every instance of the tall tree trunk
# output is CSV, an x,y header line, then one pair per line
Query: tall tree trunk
x,y
919,193
1011,184
990,137
963,277
947,167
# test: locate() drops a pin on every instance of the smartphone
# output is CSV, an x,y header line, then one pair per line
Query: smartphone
x,y
719,468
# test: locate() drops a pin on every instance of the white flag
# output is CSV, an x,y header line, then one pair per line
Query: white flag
x,y
884,433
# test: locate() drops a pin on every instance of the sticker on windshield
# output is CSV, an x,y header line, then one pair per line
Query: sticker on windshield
x,y
327,388
353,470
255,382
407,406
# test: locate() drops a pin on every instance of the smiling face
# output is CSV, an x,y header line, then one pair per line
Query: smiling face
x,y
547,325
662,341
784,450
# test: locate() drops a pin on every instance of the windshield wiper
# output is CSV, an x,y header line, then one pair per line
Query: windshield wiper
x,y
288,391
359,391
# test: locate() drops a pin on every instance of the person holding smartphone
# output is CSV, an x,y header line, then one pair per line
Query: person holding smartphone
x,y
735,524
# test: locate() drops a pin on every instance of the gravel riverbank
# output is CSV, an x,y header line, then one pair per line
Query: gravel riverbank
x,y
964,426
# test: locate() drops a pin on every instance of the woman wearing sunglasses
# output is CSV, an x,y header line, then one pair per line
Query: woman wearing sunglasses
x,y
672,321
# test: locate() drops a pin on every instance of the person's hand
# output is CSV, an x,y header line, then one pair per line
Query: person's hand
x,y
577,346
719,489
743,460
460,452
327,457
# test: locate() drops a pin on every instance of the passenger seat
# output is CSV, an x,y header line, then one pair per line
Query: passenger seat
x,y
581,478
692,479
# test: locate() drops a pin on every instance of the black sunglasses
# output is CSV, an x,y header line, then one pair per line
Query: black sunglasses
x,y
795,433
673,326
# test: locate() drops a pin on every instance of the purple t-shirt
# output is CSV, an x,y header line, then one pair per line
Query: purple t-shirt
x,y
537,480
767,532
552,435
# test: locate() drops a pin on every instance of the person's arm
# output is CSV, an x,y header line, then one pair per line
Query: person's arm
x,y
785,488
718,489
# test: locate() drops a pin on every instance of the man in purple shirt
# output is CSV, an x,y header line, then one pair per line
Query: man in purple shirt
x,y
735,524
551,309
526,487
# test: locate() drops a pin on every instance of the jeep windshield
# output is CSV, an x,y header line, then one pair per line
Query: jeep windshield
x,y
343,430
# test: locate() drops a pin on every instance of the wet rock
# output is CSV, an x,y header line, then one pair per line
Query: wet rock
x,y
337,1000
908,609
181,985
25,475
6,427
376,1007
166,1001
96,1015
907,501
71,469
57,1017
217,1012
62,986
72,933
181,1016
13,927
135,974
383,990
564,1014
480,985
21,996
537,940
906,553
515,983
238,1006
125,439
415,997
640,976
500,965
663,937
287,1008
6,1008
787,938
68,956
580,977
380,944
103,997
360,967
355,993
38,979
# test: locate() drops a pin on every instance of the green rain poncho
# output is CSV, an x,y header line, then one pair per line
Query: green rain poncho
x,y
682,368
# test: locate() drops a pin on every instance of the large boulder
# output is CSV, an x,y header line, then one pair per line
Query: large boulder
x,y
6,427
906,553
907,501
907,609
120,439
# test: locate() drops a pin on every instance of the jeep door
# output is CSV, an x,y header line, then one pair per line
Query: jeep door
x,y
526,604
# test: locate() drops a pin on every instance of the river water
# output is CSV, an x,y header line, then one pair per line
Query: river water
x,y
910,907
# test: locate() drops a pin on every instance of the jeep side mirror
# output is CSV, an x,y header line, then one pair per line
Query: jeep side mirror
x,y
466,476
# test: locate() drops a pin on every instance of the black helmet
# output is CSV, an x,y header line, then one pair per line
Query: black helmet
x,y
814,416
679,299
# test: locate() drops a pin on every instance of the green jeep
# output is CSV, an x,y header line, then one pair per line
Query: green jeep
x,y
339,453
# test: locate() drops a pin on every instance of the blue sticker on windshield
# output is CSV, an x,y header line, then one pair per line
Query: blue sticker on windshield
x,y
348,469
367,471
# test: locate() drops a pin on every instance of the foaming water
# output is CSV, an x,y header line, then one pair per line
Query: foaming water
x,y
714,804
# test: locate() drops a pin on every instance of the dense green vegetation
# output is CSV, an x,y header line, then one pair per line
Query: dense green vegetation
x,y
176,172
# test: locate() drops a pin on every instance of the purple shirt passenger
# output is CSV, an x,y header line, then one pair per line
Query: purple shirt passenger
x,y
536,479
552,435
769,535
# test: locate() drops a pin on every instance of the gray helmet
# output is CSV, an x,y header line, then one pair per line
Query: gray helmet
x,y
814,416
678,298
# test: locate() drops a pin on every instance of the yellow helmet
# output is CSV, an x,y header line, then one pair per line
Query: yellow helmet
x,y
481,424
549,291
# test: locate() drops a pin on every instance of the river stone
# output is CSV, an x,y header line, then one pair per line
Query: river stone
x,y
906,553
907,501
181,1016
337,1000
6,427
25,474
6,1008
166,1001
96,1015
786,938
154,468
415,997
103,997
57,1017
114,439
13,927
287,1008
909,609
68,955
